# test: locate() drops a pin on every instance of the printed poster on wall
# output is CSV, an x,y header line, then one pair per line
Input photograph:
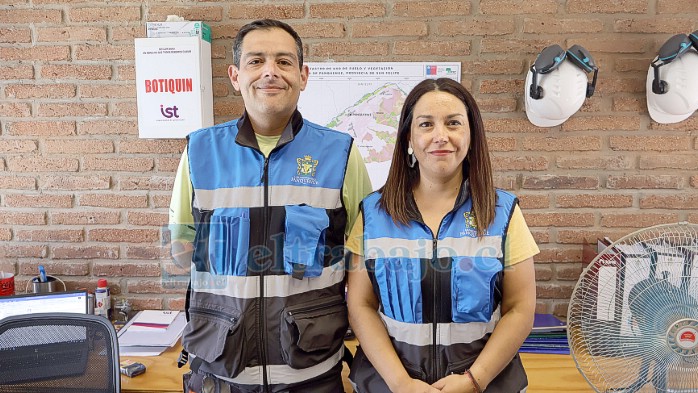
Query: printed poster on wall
x,y
365,100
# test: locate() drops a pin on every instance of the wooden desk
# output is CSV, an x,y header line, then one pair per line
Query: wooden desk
x,y
546,373
161,373
553,373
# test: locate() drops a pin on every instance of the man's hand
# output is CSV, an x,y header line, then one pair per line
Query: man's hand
x,y
181,253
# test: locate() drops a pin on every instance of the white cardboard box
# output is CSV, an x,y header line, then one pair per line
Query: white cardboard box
x,y
178,29
174,88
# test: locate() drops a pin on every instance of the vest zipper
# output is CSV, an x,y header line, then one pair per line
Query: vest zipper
x,y
434,320
261,316
263,179
435,300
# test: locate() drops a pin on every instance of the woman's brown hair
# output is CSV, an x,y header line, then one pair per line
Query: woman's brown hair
x,y
476,167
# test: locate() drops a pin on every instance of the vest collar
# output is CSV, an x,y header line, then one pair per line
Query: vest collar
x,y
463,196
246,136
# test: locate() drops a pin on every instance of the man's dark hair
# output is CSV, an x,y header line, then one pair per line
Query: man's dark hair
x,y
265,24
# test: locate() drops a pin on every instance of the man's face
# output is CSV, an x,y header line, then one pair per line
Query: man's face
x,y
269,77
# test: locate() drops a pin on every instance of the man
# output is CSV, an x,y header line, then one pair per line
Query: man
x,y
260,209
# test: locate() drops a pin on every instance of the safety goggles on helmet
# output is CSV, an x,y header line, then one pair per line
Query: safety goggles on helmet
x,y
548,59
582,59
694,39
672,49
552,56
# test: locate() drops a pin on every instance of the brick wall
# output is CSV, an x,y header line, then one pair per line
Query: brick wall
x,y
81,194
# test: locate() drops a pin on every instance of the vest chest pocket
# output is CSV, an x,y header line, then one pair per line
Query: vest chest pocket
x,y
311,332
229,242
473,282
304,240
399,283
218,338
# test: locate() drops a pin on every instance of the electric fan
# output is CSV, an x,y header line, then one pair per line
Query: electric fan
x,y
633,317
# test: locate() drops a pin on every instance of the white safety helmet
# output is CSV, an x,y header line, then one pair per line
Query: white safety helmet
x,y
563,92
672,82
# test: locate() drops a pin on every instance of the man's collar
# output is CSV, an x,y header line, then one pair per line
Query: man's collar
x,y
246,135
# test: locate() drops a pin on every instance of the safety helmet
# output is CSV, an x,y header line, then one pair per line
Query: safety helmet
x,y
672,81
563,91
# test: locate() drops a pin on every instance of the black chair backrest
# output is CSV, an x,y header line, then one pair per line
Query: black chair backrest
x,y
58,352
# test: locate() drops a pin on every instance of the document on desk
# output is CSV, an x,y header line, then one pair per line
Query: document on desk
x,y
152,337
152,320
141,351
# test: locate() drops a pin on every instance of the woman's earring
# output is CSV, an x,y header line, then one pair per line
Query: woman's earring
x,y
411,159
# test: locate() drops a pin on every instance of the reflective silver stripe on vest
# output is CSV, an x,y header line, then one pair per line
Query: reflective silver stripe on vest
x,y
283,374
385,247
420,334
325,198
247,287
488,246
228,197
285,285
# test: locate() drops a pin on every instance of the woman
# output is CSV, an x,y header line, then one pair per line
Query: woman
x,y
441,290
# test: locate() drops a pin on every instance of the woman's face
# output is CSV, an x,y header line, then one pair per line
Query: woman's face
x,y
440,134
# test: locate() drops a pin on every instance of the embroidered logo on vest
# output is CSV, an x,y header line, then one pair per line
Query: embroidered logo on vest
x,y
470,222
306,170
470,225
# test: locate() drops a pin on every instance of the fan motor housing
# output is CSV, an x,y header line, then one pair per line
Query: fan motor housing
x,y
682,337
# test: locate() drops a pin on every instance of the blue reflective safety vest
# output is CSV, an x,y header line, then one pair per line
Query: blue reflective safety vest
x,y
268,254
439,294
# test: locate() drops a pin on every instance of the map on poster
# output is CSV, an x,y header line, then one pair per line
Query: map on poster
x,y
365,100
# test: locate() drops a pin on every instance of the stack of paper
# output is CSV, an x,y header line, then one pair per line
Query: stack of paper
x,y
151,332
549,335
153,320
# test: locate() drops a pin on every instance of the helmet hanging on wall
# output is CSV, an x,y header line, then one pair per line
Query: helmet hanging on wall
x,y
556,84
563,93
672,81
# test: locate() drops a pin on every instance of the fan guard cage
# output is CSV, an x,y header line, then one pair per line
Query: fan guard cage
x,y
641,340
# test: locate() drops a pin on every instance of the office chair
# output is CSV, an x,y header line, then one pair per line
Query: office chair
x,y
58,352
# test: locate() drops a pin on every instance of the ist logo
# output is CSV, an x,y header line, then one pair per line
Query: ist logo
x,y
169,112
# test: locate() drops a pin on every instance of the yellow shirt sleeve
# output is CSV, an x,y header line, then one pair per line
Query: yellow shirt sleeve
x,y
181,221
356,186
355,241
519,244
